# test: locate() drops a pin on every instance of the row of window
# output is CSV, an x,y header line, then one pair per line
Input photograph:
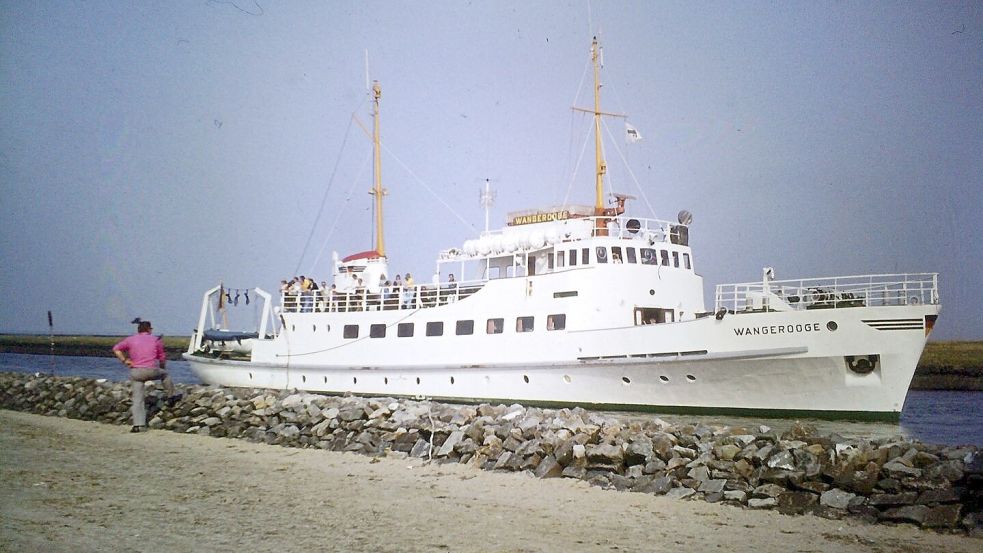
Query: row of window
x,y
644,256
461,328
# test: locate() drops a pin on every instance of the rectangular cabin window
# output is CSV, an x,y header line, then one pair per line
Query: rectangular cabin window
x,y
556,322
573,258
653,315
531,264
549,260
585,256
464,328
675,259
561,258
630,254
435,328
616,256
523,324
351,331
665,258
377,331
601,254
494,326
404,330
686,261
650,256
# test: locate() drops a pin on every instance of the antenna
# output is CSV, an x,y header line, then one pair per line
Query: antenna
x,y
486,198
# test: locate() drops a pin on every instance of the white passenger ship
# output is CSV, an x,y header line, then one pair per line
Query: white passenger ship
x,y
588,306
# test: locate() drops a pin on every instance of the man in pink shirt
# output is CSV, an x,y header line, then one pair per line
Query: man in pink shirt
x,y
146,362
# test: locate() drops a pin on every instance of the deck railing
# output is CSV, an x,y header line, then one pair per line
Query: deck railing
x,y
829,293
418,296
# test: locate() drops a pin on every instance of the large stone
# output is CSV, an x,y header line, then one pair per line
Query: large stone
x,y
897,469
712,486
943,516
762,503
767,490
836,498
727,452
892,500
655,485
605,454
908,513
448,446
782,460
638,452
943,495
680,493
549,468
796,503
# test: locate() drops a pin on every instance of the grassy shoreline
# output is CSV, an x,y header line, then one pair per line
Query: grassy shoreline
x,y
955,365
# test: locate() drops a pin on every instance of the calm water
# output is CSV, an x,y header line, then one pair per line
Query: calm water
x,y
951,418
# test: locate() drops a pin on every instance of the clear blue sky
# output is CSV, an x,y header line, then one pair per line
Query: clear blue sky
x,y
149,150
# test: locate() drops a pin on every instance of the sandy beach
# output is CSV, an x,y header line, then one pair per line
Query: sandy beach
x,y
69,485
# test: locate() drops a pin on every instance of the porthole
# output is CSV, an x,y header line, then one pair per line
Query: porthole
x,y
418,380
651,292
625,380
831,326
664,378
691,378
525,378
566,378
452,380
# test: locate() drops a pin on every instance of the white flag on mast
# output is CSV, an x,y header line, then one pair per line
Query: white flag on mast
x,y
631,133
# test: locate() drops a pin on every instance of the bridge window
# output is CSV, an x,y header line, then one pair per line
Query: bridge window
x,y
616,256
524,324
675,259
665,258
585,256
377,331
549,261
465,328
495,326
650,256
573,258
561,258
404,330
351,331
602,254
556,322
686,262
435,328
630,254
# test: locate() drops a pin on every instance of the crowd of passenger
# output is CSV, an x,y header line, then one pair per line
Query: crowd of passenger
x,y
306,295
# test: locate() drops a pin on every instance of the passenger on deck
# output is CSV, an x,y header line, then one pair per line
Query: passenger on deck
x,y
449,290
409,290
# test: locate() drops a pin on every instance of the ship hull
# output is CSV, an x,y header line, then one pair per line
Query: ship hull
x,y
741,364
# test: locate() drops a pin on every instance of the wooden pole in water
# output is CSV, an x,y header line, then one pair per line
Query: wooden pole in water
x,y
51,340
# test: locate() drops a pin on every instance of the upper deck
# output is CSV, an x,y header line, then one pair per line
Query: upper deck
x,y
828,293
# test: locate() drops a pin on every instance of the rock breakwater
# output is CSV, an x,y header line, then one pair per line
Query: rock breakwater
x,y
891,480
